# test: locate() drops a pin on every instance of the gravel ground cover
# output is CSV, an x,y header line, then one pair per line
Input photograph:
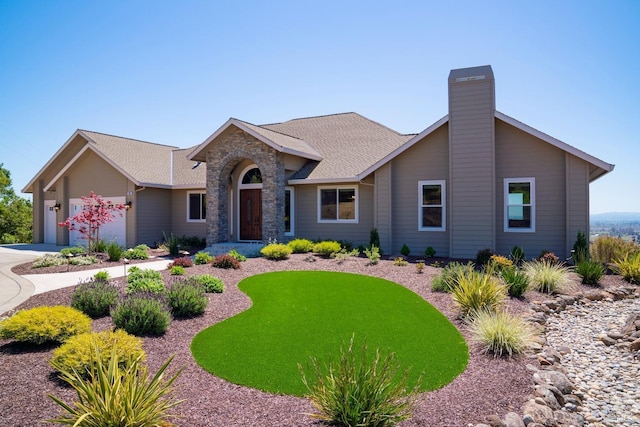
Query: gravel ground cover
x,y
487,386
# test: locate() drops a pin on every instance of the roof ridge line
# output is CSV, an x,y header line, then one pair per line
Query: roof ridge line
x,y
310,117
130,139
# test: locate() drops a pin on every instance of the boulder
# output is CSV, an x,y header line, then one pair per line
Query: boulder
x,y
606,340
511,419
494,421
539,413
635,345
554,378
632,324
568,419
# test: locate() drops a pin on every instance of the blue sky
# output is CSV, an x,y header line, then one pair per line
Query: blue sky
x,y
173,72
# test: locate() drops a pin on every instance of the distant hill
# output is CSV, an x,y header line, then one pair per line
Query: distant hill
x,y
616,217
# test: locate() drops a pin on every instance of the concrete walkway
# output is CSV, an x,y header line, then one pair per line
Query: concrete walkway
x,y
14,289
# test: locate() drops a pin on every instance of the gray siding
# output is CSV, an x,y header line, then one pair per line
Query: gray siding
x,y
471,154
577,199
383,205
426,160
153,215
520,155
307,225
179,224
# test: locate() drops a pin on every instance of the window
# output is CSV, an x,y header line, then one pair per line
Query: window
x,y
196,207
288,211
431,206
338,204
519,205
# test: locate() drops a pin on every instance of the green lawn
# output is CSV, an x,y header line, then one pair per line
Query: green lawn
x,y
299,314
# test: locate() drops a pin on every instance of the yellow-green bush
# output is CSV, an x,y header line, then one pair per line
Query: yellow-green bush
x,y
300,246
501,333
276,251
79,352
327,248
628,267
45,324
478,291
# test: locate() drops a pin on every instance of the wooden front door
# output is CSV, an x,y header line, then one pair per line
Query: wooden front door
x,y
251,214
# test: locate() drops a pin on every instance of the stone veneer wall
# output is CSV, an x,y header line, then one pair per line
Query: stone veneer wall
x,y
223,155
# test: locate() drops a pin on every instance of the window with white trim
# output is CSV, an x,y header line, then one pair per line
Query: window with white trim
x,y
338,204
196,207
432,202
289,211
520,205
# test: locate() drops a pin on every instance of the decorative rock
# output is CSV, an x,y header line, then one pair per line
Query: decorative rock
x,y
635,345
511,419
494,421
528,420
594,296
539,413
567,419
606,340
632,324
555,378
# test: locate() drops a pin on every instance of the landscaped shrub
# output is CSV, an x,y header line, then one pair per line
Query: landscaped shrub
x,y
517,281
172,243
546,276
184,261
115,251
374,238
326,248
501,333
400,262
590,272
142,313
606,249
580,249
74,251
405,250
139,252
83,260
144,280
225,261
483,256
49,260
300,246
429,252
419,267
177,270
628,267
202,258
477,291
114,396
101,275
344,254
79,351
186,299
45,324
373,254
209,283
448,279
237,255
497,264
95,298
517,255
360,390
548,256
98,246
276,251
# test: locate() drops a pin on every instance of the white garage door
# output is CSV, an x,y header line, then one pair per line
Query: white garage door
x,y
50,223
111,232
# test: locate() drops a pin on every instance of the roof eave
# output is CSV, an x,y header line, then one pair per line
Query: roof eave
x,y
350,179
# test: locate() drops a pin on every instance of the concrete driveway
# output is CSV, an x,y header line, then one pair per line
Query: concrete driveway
x,y
14,289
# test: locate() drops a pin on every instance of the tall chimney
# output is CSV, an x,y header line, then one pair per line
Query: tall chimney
x,y
472,161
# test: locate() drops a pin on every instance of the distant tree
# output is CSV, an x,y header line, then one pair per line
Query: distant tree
x,y
16,215
96,211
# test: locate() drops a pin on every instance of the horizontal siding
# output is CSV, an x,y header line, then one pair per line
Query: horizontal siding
x,y
153,215
383,206
577,199
179,224
426,160
307,226
519,154
91,173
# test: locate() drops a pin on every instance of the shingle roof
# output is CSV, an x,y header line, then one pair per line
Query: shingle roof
x,y
349,143
283,140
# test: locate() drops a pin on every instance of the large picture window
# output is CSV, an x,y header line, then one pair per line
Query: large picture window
x,y
196,207
338,204
519,205
432,206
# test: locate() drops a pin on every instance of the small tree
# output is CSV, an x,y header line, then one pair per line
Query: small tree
x,y
96,211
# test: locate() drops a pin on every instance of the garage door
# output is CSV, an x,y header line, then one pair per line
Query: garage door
x,y
111,232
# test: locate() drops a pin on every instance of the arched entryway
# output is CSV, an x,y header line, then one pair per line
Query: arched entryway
x,y
250,204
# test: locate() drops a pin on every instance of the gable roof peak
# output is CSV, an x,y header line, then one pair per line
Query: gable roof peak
x,y
86,132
